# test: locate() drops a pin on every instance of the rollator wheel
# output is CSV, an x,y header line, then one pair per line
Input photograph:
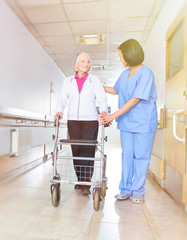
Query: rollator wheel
x,y
96,199
55,196
103,189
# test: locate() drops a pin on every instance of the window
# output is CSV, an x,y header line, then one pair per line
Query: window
x,y
175,44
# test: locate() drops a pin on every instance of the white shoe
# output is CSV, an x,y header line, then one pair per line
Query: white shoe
x,y
136,198
122,196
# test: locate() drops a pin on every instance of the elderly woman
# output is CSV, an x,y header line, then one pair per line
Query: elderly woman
x,y
82,91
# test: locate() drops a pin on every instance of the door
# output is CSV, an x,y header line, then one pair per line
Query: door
x,y
176,102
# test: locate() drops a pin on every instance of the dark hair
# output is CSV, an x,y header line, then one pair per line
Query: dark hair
x,y
132,52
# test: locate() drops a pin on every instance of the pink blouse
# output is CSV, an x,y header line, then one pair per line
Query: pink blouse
x,y
80,81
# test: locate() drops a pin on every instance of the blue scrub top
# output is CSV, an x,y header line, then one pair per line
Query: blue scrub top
x,y
142,117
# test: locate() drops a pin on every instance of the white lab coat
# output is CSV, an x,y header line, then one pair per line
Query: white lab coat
x,y
83,106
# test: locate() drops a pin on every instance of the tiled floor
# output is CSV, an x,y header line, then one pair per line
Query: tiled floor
x,y
26,212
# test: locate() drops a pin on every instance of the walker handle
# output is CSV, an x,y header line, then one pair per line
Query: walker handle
x,y
56,122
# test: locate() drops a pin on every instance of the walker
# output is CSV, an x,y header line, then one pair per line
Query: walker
x,y
67,172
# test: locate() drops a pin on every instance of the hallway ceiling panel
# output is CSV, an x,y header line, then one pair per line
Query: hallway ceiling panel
x,y
124,25
59,26
53,29
45,14
53,41
86,10
131,8
119,37
89,27
35,3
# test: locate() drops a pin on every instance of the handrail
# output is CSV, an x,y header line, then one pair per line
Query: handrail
x,y
19,113
19,117
174,126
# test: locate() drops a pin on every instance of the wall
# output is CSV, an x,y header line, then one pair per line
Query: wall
x,y
156,60
26,72
26,69
155,57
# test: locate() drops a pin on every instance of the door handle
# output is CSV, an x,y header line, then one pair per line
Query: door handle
x,y
174,126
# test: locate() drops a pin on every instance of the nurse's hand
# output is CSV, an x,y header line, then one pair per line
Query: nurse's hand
x,y
106,118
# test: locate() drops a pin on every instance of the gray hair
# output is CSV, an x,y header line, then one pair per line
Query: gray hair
x,y
77,59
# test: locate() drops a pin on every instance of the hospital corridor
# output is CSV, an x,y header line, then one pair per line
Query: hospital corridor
x,y
93,120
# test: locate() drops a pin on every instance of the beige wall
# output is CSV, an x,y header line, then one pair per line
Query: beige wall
x,y
155,57
156,60
25,76
26,69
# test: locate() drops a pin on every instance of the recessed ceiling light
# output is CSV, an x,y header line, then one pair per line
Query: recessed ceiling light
x,y
90,39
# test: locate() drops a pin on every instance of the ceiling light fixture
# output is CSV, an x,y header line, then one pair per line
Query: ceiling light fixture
x,y
90,39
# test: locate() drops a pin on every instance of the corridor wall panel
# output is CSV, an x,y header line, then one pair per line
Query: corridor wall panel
x,y
26,70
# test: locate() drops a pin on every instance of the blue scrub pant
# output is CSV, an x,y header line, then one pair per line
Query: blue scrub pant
x,y
136,154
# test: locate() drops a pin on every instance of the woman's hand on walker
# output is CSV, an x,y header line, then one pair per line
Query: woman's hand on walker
x,y
58,114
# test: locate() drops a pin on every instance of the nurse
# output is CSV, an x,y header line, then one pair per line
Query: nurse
x,y
137,119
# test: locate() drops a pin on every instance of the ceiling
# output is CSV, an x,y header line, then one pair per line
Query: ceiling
x,y
58,24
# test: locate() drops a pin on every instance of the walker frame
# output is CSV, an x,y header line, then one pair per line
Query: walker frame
x,y
98,182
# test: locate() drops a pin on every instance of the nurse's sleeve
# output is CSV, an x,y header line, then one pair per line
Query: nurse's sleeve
x,y
144,86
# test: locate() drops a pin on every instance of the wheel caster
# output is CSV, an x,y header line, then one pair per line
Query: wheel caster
x,y
96,198
55,194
